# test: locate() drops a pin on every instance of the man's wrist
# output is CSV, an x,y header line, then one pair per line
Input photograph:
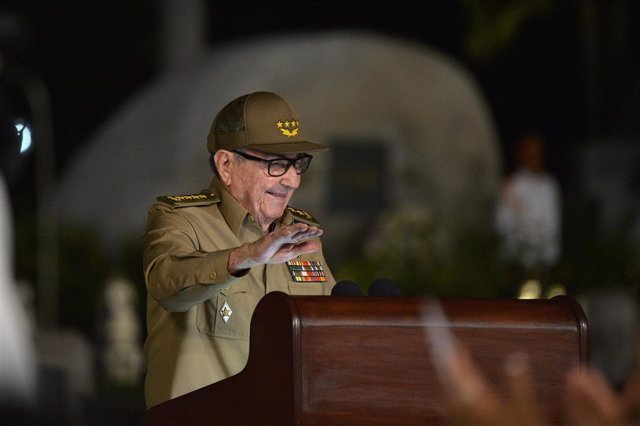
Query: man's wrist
x,y
238,264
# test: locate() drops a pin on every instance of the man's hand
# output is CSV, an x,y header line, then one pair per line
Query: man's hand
x,y
472,401
276,247
592,401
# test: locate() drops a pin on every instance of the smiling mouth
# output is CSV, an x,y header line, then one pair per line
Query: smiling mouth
x,y
278,195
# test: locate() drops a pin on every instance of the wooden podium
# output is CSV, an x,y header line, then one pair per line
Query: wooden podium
x,y
320,360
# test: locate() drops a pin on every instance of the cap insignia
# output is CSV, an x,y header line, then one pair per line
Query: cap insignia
x,y
288,128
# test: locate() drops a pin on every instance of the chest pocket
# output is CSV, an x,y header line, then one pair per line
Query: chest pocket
x,y
228,315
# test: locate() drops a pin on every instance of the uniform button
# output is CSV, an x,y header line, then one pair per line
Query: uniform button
x,y
251,219
212,275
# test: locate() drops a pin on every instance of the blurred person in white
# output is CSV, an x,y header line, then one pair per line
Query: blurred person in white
x,y
17,349
528,213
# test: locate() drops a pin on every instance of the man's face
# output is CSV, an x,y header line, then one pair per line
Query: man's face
x,y
264,196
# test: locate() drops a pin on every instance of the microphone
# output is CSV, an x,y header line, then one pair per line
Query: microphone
x,y
346,288
383,287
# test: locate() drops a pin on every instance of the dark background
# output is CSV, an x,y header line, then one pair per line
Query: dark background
x,y
568,69
93,55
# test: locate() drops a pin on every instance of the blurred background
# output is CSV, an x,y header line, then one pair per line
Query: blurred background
x,y
106,105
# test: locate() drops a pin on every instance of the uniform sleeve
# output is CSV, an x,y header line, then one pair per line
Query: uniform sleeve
x,y
177,274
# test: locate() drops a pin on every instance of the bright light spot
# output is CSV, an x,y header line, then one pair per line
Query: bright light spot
x,y
556,290
530,289
25,135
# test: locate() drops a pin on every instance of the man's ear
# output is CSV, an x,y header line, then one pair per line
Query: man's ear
x,y
223,159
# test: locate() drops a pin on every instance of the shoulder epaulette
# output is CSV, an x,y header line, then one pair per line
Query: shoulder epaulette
x,y
302,216
191,200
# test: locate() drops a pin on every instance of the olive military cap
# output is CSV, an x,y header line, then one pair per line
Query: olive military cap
x,y
261,121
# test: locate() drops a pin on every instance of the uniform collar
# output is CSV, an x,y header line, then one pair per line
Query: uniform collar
x,y
232,211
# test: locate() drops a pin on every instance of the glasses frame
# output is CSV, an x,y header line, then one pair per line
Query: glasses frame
x,y
290,162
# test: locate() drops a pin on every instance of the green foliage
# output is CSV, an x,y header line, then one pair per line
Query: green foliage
x,y
407,251
604,264
473,267
83,269
494,25
130,267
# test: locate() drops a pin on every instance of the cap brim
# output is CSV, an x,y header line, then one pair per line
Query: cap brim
x,y
289,148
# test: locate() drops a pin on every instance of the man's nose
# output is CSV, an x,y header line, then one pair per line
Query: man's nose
x,y
291,178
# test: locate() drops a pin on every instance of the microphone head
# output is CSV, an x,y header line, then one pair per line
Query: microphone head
x,y
383,287
346,288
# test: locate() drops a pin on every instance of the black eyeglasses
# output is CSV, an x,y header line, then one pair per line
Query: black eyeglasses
x,y
280,166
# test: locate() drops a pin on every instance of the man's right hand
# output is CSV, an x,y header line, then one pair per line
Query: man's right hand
x,y
276,247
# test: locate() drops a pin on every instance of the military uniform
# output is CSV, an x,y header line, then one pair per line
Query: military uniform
x,y
198,315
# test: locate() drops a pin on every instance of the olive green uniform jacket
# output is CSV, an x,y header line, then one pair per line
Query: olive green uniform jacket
x,y
198,315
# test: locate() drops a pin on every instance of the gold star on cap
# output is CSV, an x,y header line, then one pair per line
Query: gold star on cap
x,y
288,124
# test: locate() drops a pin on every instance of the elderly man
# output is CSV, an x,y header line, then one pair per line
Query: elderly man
x,y
210,257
